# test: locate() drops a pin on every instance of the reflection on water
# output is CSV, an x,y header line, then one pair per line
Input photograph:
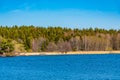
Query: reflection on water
x,y
64,67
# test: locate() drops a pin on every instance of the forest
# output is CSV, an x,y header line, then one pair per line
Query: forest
x,y
52,39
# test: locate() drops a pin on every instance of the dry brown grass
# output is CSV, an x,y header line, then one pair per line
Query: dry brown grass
x,y
72,52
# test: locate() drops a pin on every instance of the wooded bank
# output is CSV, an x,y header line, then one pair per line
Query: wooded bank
x,y
51,39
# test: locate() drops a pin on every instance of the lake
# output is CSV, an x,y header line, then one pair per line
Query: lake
x,y
62,67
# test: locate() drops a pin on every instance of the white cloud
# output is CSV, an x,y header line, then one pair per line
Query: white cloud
x,y
15,11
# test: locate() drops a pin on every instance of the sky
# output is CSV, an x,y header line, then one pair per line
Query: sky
x,y
65,13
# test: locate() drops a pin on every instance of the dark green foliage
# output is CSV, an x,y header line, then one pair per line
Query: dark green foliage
x,y
6,46
38,38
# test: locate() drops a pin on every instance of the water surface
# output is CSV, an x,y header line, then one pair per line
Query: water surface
x,y
62,67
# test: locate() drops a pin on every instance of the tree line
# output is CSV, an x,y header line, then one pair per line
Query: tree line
x,y
39,39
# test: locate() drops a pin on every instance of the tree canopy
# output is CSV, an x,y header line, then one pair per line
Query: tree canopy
x,y
36,39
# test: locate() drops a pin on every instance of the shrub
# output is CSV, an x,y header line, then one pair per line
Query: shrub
x,y
6,46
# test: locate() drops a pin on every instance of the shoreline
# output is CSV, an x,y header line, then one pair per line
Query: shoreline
x,y
71,52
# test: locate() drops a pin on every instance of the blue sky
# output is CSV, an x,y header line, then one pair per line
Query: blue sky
x,y
65,13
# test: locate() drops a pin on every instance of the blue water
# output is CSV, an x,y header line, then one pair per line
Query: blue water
x,y
64,67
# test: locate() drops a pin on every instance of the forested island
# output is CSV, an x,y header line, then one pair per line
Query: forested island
x,y
18,39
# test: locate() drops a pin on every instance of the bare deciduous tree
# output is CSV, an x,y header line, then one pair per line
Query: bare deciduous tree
x,y
37,43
